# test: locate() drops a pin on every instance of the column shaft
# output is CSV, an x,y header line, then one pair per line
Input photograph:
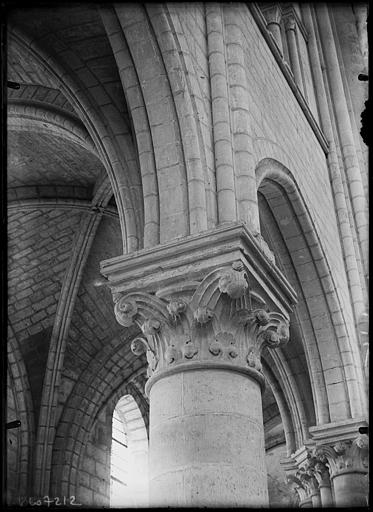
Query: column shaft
x,y
316,500
225,181
207,440
350,490
290,28
346,136
244,162
275,30
335,173
326,496
307,503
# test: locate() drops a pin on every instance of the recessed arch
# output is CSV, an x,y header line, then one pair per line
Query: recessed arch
x,y
331,352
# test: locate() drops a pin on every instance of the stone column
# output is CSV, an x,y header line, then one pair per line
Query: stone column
x,y
321,473
290,30
273,15
356,281
306,503
307,488
203,329
305,500
221,130
320,486
348,464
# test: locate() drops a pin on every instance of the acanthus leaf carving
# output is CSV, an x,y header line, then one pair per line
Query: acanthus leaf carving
x,y
362,442
223,345
308,480
344,455
204,325
340,448
175,308
140,345
203,315
172,354
297,486
151,326
233,281
277,337
253,360
189,349
262,317
125,310
318,469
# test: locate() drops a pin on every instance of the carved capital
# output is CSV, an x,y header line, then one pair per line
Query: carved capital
x,y
125,310
309,481
345,456
233,281
217,321
298,487
290,22
319,470
203,315
272,13
175,308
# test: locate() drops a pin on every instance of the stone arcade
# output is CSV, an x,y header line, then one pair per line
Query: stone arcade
x,y
188,255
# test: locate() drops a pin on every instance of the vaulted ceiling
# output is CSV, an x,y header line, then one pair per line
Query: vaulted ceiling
x,y
62,215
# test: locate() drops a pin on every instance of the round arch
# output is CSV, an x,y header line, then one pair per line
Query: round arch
x,y
332,369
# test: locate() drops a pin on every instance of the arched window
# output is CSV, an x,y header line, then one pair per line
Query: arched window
x,y
129,456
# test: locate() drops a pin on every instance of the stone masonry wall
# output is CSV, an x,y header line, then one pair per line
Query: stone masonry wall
x,y
281,131
39,248
94,475
279,493
279,127
12,447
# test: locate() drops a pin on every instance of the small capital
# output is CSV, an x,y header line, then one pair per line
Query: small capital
x,y
344,456
272,13
290,22
212,323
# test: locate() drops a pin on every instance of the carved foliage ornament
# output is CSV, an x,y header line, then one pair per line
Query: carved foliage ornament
x,y
233,282
223,346
203,315
180,346
141,345
308,480
125,311
176,308
297,486
203,327
318,468
345,455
